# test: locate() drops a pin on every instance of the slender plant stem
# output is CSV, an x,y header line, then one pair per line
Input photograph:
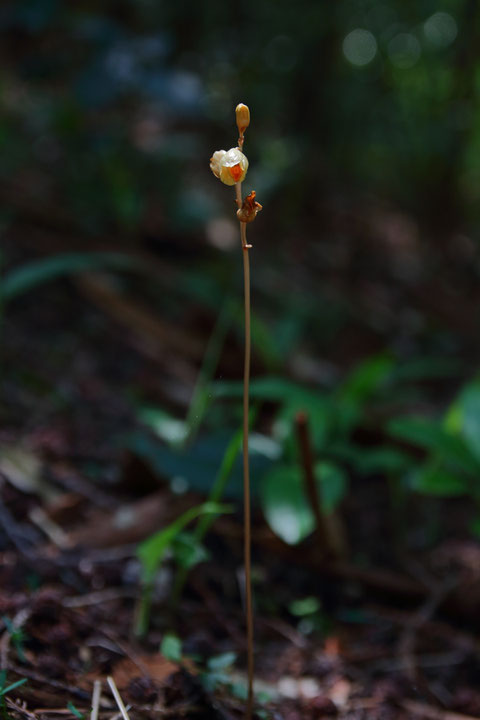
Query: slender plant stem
x,y
201,395
204,523
247,524
246,483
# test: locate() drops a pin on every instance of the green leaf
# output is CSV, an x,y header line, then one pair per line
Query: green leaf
x,y
292,397
240,690
221,662
285,505
30,275
5,691
433,480
331,484
199,466
366,380
166,427
453,419
304,606
75,711
368,461
216,494
217,490
188,550
171,647
470,409
152,550
442,445
423,432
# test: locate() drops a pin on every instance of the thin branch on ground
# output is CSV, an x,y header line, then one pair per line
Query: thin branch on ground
x,y
429,712
97,688
118,699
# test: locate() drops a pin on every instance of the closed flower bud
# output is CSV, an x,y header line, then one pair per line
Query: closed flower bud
x,y
242,114
233,167
215,161
249,209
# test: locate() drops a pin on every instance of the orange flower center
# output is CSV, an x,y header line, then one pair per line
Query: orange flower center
x,y
236,172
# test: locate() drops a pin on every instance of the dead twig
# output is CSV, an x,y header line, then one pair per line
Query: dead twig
x,y
118,699
98,597
54,532
20,707
422,710
306,457
97,689
24,671
330,530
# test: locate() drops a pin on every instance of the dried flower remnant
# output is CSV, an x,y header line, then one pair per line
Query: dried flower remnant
x,y
250,208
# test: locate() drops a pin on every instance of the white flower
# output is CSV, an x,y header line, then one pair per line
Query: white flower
x,y
215,161
231,167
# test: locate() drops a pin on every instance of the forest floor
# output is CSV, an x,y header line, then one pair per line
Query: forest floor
x,y
333,639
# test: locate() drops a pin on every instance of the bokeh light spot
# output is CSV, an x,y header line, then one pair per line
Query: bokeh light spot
x,y
440,29
360,47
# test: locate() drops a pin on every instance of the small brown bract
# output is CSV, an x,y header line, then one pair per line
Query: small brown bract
x,y
249,209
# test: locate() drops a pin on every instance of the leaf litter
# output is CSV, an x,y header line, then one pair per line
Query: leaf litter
x,y
70,584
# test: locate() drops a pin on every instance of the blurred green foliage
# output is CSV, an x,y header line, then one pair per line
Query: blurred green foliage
x,y
108,115
350,438
151,553
452,447
114,110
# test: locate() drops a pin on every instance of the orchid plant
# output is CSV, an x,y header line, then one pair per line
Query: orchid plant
x,y
231,166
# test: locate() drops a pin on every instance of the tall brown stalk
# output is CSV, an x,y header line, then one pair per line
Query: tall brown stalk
x,y
231,168
247,523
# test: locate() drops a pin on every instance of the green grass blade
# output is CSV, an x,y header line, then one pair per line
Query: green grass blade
x,y
5,691
30,275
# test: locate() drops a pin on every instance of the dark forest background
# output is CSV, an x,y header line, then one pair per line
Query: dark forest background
x,y
121,279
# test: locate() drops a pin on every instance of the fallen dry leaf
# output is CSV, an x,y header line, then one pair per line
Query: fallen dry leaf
x,y
23,469
157,667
